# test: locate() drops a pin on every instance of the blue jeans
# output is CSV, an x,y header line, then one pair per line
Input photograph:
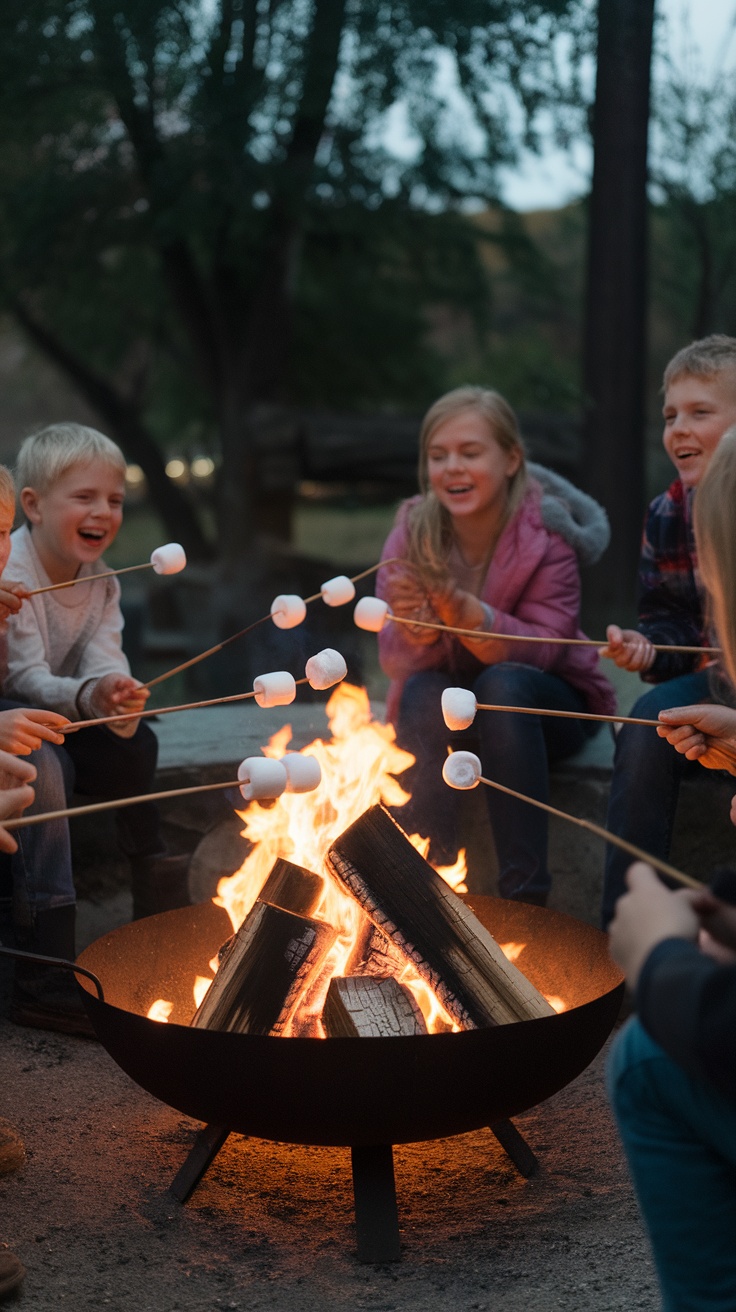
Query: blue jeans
x,y
679,1135
645,785
515,750
42,867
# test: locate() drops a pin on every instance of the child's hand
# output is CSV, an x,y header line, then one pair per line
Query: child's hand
x,y
704,733
408,600
629,649
12,596
459,609
22,731
118,694
15,794
645,916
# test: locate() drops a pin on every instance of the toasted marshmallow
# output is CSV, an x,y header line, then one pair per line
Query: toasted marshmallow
x,y
288,610
370,614
326,668
260,778
304,773
338,591
275,689
462,770
458,707
169,559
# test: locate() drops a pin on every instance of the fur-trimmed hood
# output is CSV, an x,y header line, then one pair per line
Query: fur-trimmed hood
x,y
564,509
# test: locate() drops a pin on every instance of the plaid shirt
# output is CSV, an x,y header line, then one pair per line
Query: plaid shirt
x,y
671,596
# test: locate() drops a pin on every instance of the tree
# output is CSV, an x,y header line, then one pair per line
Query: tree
x,y
200,211
614,332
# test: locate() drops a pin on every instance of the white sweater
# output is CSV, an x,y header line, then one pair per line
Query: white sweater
x,y
61,642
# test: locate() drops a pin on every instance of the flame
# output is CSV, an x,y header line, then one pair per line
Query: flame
x,y
358,765
512,950
160,1010
558,1004
200,987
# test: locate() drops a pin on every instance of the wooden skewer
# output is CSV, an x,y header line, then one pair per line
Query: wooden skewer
x,y
528,637
162,710
570,715
663,866
211,651
89,578
25,820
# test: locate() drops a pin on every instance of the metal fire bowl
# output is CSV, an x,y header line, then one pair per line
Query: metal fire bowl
x,y
349,1092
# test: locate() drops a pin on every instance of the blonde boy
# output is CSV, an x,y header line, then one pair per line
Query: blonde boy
x,y
699,406
65,647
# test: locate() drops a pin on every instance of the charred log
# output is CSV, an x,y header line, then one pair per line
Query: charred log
x,y
274,957
361,1006
449,947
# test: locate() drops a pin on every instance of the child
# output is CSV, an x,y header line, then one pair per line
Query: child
x,y
699,405
672,1072
64,647
40,869
494,547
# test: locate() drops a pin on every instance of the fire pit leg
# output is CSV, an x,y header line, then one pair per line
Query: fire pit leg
x,y
376,1216
516,1147
207,1145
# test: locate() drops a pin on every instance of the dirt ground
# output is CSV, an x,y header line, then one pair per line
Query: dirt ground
x,y
271,1225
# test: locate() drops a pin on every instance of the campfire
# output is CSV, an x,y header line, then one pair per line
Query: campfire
x,y
324,947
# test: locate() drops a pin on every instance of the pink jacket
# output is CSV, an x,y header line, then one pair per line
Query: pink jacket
x,y
533,585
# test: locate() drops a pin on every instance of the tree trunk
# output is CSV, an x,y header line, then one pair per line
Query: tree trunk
x,y
614,352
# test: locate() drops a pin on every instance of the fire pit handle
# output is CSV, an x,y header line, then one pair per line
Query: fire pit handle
x,y
61,962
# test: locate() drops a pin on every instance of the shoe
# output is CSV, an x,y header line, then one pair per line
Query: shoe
x,y
159,883
12,1150
12,1274
47,997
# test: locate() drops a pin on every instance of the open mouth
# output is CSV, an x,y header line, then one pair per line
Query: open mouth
x,y
92,535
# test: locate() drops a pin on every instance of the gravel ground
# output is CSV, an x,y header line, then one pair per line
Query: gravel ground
x,y
271,1225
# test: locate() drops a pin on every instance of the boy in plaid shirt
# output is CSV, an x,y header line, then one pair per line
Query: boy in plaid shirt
x,y
699,405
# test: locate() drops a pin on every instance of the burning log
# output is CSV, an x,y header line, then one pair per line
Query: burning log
x,y
449,947
374,953
360,1006
271,961
292,888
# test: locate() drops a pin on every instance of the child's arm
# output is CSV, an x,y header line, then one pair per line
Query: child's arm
x,y
113,694
12,596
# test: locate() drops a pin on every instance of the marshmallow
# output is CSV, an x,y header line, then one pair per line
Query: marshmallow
x,y
304,773
338,591
169,559
462,770
326,668
370,614
276,689
288,610
261,777
458,707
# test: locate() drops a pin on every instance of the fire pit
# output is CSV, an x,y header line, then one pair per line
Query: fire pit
x,y
362,1093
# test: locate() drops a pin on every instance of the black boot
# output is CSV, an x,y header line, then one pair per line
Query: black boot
x,y
159,883
45,997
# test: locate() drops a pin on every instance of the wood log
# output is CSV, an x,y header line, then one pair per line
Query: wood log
x,y
374,1007
450,948
269,964
374,953
290,887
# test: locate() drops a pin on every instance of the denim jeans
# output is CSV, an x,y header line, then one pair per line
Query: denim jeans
x,y
645,785
679,1135
41,869
515,750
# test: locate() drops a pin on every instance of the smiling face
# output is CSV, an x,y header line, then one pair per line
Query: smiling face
x,y
697,411
467,468
74,521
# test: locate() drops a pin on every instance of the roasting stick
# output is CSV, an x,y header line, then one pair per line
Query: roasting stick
x,y
169,559
211,651
466,774
528,637
24,821
161,710
570,715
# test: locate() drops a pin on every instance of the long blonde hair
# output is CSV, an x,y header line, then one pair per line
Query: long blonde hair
x,y
715,536
430,524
